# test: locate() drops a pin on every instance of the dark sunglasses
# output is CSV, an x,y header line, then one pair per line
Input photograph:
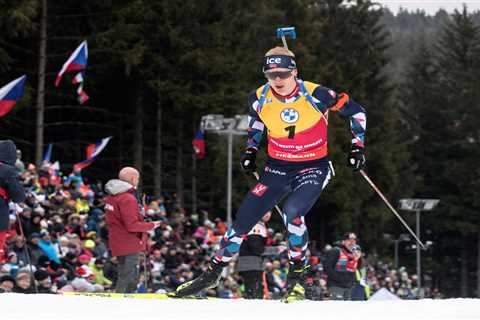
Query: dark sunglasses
x,y
281,74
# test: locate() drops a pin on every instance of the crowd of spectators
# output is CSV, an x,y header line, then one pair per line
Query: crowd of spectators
x,y
62,224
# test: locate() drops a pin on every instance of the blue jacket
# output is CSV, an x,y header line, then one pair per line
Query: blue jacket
x,y
49,250
10,185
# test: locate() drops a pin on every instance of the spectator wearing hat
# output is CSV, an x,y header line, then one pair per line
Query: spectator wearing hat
x,y
74,225
7,283
85,280
84,259
69,264
12,263
46,245
250,265
10,189
18,246
19,165
35,251
44,282
33,225
100,249
340,264
23,283
126,226
87,248
97,268
63,248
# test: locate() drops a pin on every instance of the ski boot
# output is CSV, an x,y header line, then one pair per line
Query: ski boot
x,y
208,279
296,284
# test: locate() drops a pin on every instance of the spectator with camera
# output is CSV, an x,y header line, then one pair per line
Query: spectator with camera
x,y
340,264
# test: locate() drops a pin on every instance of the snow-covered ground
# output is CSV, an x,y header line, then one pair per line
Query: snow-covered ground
x,y
40,307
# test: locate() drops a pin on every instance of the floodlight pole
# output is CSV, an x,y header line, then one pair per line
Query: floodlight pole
x,y
229,127
418,205
229,179
395,259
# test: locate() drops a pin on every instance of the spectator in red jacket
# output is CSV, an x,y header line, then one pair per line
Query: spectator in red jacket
x,y
10,189
126,228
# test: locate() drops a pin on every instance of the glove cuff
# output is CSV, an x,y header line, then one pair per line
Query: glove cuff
x,y
251,151
356,148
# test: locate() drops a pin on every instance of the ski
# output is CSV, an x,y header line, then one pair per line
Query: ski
x,y
160,296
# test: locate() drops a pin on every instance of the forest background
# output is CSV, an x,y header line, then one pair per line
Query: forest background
x,y
156,67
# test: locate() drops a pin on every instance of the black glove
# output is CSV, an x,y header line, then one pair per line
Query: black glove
x,y
356,159
248,160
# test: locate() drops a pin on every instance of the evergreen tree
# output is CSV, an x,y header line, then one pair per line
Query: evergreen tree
x,y
351,53
456,142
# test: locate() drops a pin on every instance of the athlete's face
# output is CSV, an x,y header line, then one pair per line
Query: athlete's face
x,y
282,80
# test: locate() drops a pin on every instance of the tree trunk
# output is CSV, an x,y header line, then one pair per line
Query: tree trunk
x,y
157,168
464,269
120,139
42,62
179,165
138,134
478,265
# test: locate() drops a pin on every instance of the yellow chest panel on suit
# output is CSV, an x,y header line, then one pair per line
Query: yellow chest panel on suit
x,y
296,130
278,115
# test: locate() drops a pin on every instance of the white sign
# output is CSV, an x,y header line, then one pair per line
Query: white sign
x,y
418,204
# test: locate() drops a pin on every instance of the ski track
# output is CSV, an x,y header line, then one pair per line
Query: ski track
x,y
39,307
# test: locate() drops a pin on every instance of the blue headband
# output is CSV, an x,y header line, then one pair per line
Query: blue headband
x,y
279,61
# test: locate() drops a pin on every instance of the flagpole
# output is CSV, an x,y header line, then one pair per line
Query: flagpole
x,y
194,183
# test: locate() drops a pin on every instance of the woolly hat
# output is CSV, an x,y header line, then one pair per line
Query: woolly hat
x,y
7,278
35,235
22,274
89,244
41,275
84,258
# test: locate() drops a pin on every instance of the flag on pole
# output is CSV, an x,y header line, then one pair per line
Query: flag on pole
x,y
93,150
10,94
76,62
48,154
199,144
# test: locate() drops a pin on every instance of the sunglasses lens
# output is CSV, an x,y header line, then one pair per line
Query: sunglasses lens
x,y
282,75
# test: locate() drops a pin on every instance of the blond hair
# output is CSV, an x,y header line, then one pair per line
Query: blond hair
x,y
279,51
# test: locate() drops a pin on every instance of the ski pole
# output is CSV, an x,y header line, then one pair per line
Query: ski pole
x,y
374,187
26,251
257,176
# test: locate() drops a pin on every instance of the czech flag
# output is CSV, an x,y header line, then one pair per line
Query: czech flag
x,y
10,94
76,62
199,144
93,150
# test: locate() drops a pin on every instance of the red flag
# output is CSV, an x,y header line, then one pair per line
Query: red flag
x,y
199,144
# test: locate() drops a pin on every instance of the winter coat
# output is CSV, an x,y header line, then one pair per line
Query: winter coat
x,y
46,290
99,276
49,250
10,185
338,274
80,284
126,227
250,254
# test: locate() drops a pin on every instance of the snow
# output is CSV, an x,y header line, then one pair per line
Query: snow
x,y
19,307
